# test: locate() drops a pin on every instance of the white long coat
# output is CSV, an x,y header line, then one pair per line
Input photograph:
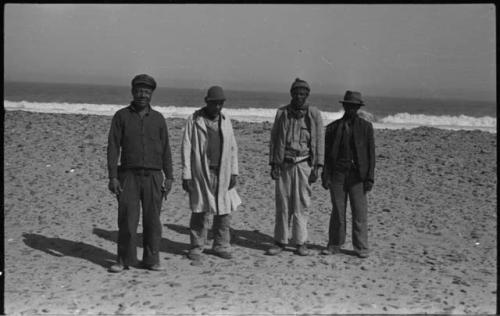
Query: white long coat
x,y
195,166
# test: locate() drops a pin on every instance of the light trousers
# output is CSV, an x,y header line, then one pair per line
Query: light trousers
x,y
293,198
198,227
221,228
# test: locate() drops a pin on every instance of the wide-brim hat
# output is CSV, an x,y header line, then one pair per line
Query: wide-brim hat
x,y
215,93
144,79
352,97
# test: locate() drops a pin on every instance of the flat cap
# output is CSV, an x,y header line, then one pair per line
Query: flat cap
x,y
144,80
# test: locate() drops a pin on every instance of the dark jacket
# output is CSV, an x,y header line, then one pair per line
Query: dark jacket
x,y
144,143
364,145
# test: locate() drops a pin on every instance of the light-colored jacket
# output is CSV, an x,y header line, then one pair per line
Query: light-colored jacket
x,y
195,166
278,136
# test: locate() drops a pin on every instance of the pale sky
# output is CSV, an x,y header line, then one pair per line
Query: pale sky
x,y
412,50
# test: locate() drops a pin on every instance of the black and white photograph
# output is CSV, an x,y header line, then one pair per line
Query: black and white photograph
x,y
250,158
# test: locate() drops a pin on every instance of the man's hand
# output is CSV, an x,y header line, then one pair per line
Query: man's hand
x,y
325,181
232,182
367,186
166,187
187,184
114,186
313,177
275,172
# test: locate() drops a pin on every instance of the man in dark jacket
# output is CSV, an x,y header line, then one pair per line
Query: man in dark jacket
x,y
349,172
139,136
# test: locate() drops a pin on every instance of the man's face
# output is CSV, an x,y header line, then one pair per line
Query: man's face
x,y
142,95
299,97
214,107
351,109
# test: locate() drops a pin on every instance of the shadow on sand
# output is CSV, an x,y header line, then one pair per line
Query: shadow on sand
x,y
243,238
166,245
59,247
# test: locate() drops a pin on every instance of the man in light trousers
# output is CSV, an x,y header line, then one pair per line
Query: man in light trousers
x,y
296,156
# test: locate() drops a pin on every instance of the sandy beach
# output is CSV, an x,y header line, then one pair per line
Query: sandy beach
x,y
432,230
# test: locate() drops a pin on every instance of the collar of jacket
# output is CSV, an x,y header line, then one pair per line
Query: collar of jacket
x,y
133,109
352,119
200,122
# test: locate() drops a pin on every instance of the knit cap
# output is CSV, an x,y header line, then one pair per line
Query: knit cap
x,y
299,83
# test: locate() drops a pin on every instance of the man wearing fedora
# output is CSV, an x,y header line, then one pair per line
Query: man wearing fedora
x,y
349,173
209,174
296,156
139,138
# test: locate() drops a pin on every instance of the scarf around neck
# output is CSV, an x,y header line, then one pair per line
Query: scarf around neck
x,y
298,113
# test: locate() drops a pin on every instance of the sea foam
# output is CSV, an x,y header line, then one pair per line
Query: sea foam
x,y
397,121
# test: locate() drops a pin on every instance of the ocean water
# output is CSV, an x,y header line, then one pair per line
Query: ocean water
x,y
384,112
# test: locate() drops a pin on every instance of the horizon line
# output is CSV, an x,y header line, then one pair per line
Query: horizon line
x,y
255,90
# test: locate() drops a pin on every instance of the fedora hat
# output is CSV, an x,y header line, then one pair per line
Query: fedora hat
x,y
352,97
215,93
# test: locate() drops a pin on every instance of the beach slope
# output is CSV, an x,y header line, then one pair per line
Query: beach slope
x,y
432,230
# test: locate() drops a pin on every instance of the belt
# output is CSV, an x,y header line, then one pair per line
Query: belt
x,y
143,172
295,160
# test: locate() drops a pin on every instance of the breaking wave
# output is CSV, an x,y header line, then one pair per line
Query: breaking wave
x,y
396,121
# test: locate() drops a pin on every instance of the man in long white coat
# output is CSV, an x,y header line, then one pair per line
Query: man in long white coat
x,y
209,174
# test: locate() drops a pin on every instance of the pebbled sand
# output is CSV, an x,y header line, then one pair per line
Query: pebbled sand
x,y
432,231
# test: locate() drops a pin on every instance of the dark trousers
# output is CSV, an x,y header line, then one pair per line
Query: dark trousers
x,y
140,187
344,184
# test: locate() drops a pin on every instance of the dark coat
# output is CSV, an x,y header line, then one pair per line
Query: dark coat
x,y
364,145
144,142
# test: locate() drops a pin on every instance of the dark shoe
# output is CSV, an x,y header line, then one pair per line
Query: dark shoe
x,y
224,254
194,256
330,250
155,267
117,267
302,250
362,254
197,263
276,249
